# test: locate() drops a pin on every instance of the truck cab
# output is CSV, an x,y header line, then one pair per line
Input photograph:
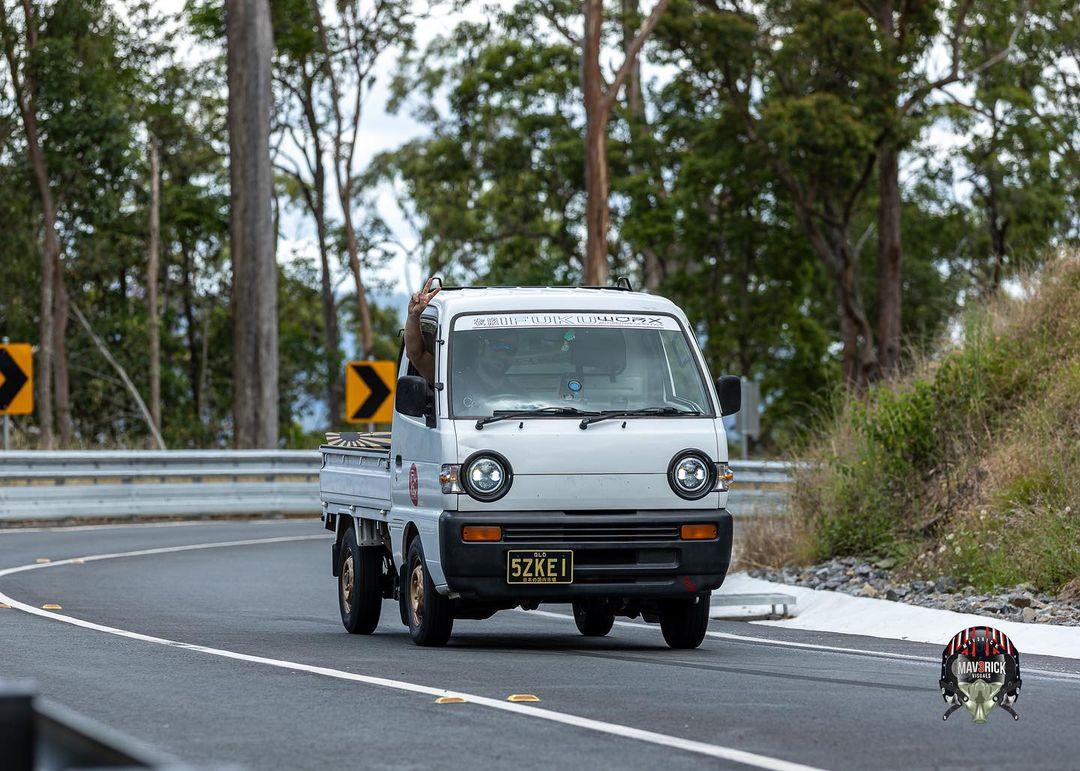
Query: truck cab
x,y
570,449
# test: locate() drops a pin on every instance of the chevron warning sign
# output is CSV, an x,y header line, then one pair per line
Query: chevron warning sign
x,y
16,379
369,391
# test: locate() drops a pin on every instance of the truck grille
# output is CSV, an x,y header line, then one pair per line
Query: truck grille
x,y
581,532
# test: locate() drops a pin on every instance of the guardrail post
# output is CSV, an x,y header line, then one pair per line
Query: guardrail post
x,y
17,732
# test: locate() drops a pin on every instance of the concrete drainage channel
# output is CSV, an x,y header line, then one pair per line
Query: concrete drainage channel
x,y
36,735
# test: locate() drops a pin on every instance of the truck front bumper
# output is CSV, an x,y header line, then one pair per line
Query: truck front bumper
x,y
623,554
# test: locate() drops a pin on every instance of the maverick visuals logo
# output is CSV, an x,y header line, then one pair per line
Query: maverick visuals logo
x,y
980,670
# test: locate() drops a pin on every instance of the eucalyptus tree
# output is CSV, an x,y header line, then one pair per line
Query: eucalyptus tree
x,y
20,41
351,40
253,239
303,120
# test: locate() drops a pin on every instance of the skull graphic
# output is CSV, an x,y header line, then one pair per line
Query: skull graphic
x,y
980,670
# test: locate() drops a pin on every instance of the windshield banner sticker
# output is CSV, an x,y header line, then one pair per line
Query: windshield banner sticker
x,y
634,320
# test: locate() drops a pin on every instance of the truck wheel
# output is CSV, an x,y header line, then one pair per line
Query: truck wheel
x,y
593,619
430,616
684,622
359,584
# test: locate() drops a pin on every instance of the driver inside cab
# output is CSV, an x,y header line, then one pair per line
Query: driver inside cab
x,y
479,367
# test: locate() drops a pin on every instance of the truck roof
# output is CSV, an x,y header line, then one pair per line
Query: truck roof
x,y
453,301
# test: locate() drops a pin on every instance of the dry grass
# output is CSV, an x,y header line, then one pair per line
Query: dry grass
x,y
771,542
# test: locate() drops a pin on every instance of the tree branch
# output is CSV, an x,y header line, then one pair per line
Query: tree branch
x,y
954,75
632,52
549,13
123,376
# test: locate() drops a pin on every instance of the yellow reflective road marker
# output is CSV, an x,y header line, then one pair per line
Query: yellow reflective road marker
x,y
4,606
43,560
79,561
449,700
51,606
522,697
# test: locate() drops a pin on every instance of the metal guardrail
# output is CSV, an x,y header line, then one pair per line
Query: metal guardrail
x,y
128,483
37,735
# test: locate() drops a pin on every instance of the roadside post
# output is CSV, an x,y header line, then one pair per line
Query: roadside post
x,y
747,420
16,382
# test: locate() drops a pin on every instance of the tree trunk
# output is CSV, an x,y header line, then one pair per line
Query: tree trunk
x,y
653,268
152,320
335,395
60,361
50,251
597,214
998,228
859,357
187,295
367,336
254,289
889,257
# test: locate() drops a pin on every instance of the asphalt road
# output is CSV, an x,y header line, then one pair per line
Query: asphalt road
x,y
266,677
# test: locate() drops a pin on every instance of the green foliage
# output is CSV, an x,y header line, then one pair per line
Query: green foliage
x,y
757,119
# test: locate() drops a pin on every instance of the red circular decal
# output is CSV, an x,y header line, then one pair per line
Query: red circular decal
x,y
414,486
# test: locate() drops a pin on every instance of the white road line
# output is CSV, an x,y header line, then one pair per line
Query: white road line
x,y
614,729
1046,674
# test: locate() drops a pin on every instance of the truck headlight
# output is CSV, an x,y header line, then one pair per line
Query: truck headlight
x,y
486,476
692,474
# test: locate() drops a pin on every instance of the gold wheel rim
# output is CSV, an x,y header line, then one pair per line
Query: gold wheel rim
x,y
347,584
416,594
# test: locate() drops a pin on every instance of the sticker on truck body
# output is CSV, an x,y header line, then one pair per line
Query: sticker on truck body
x,y
414,486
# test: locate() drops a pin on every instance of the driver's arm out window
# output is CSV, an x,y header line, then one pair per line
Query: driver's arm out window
x,y
428,330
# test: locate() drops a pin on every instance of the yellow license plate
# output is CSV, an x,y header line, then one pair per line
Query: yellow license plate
x,y
540,567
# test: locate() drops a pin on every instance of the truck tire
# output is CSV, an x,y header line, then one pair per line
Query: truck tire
x,y
431,619
359,584
684,622
593,619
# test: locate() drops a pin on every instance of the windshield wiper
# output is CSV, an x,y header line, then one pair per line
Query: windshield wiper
x,y
585,423
511,414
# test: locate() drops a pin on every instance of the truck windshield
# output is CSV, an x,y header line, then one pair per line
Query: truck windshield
x,y
592,362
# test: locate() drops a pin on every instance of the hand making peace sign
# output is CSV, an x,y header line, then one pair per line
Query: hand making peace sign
x,y
420,300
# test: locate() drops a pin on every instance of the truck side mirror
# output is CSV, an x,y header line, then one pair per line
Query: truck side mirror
x,y
413,396
729,389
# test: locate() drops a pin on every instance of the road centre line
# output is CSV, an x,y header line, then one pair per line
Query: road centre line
x,y
717,751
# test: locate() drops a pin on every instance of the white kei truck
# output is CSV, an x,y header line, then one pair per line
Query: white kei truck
x,y
571,449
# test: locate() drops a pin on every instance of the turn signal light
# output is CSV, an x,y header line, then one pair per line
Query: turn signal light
x,y
698,532
483,533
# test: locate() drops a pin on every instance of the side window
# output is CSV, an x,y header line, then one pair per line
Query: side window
x,y
682,374
428,330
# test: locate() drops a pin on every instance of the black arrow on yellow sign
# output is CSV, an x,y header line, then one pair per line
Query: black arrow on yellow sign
x,y
13,379
378,389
